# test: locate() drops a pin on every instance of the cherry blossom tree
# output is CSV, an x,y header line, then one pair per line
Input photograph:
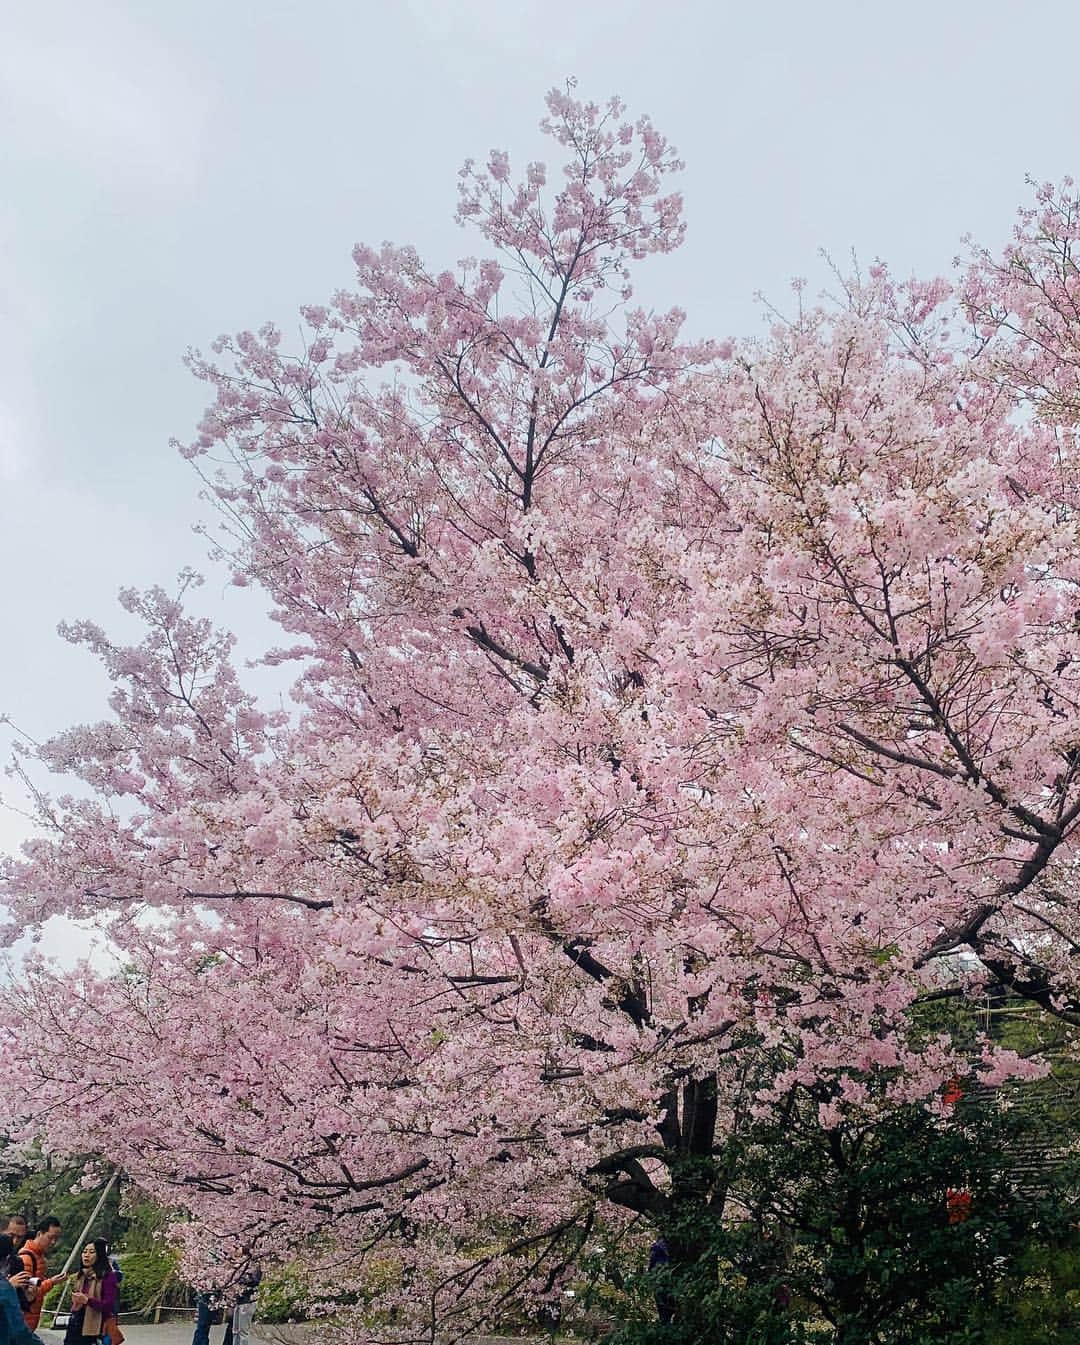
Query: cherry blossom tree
x,y
672,720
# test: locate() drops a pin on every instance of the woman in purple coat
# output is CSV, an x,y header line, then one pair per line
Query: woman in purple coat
x,y
95,1297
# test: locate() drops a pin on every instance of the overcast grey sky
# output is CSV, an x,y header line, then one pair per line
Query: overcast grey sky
x,y
172,170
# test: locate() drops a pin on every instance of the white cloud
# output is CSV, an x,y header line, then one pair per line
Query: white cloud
x,y
11,450
99,92
472,21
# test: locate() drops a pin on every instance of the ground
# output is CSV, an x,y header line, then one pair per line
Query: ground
x,y
176,1333
179,1333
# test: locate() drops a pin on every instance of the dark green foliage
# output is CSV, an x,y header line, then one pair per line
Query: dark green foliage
x,y
1038,1299
39,1187
150,1265
843,1236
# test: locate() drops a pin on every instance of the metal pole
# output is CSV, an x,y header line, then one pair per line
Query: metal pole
x,y
81,1243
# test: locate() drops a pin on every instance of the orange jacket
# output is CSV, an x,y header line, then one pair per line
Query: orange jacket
x,y
33,1259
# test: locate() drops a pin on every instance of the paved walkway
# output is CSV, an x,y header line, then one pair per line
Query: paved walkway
x,y
179,1333
175,1333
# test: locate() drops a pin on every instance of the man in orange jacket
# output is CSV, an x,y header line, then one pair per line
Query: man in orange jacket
x,y
32,1254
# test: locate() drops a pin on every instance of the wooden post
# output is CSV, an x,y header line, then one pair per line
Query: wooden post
x,y
81,1243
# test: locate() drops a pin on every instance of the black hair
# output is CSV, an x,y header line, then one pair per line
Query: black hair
x,y
101,1257
50,1221
7,1249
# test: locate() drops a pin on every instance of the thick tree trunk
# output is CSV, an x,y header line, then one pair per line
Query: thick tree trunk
x,y
849,1294
691,1242
685,1216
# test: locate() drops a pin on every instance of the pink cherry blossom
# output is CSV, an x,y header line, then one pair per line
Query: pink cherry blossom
x,y
669,718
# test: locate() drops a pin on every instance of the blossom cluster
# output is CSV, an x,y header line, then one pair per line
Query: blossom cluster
x,y
669,716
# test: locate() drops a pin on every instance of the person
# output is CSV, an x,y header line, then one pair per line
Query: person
x,y
112,1325
238,1327
94,1299
13,1328
659,1260
207,1314
209,1304
16,1229
32,1254
10,1265
11,1268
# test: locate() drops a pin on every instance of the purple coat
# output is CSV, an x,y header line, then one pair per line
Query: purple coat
x,y
110,1294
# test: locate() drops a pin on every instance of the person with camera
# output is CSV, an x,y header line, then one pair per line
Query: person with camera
x,y
11,1268
32,1254
13,1328
209,1311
